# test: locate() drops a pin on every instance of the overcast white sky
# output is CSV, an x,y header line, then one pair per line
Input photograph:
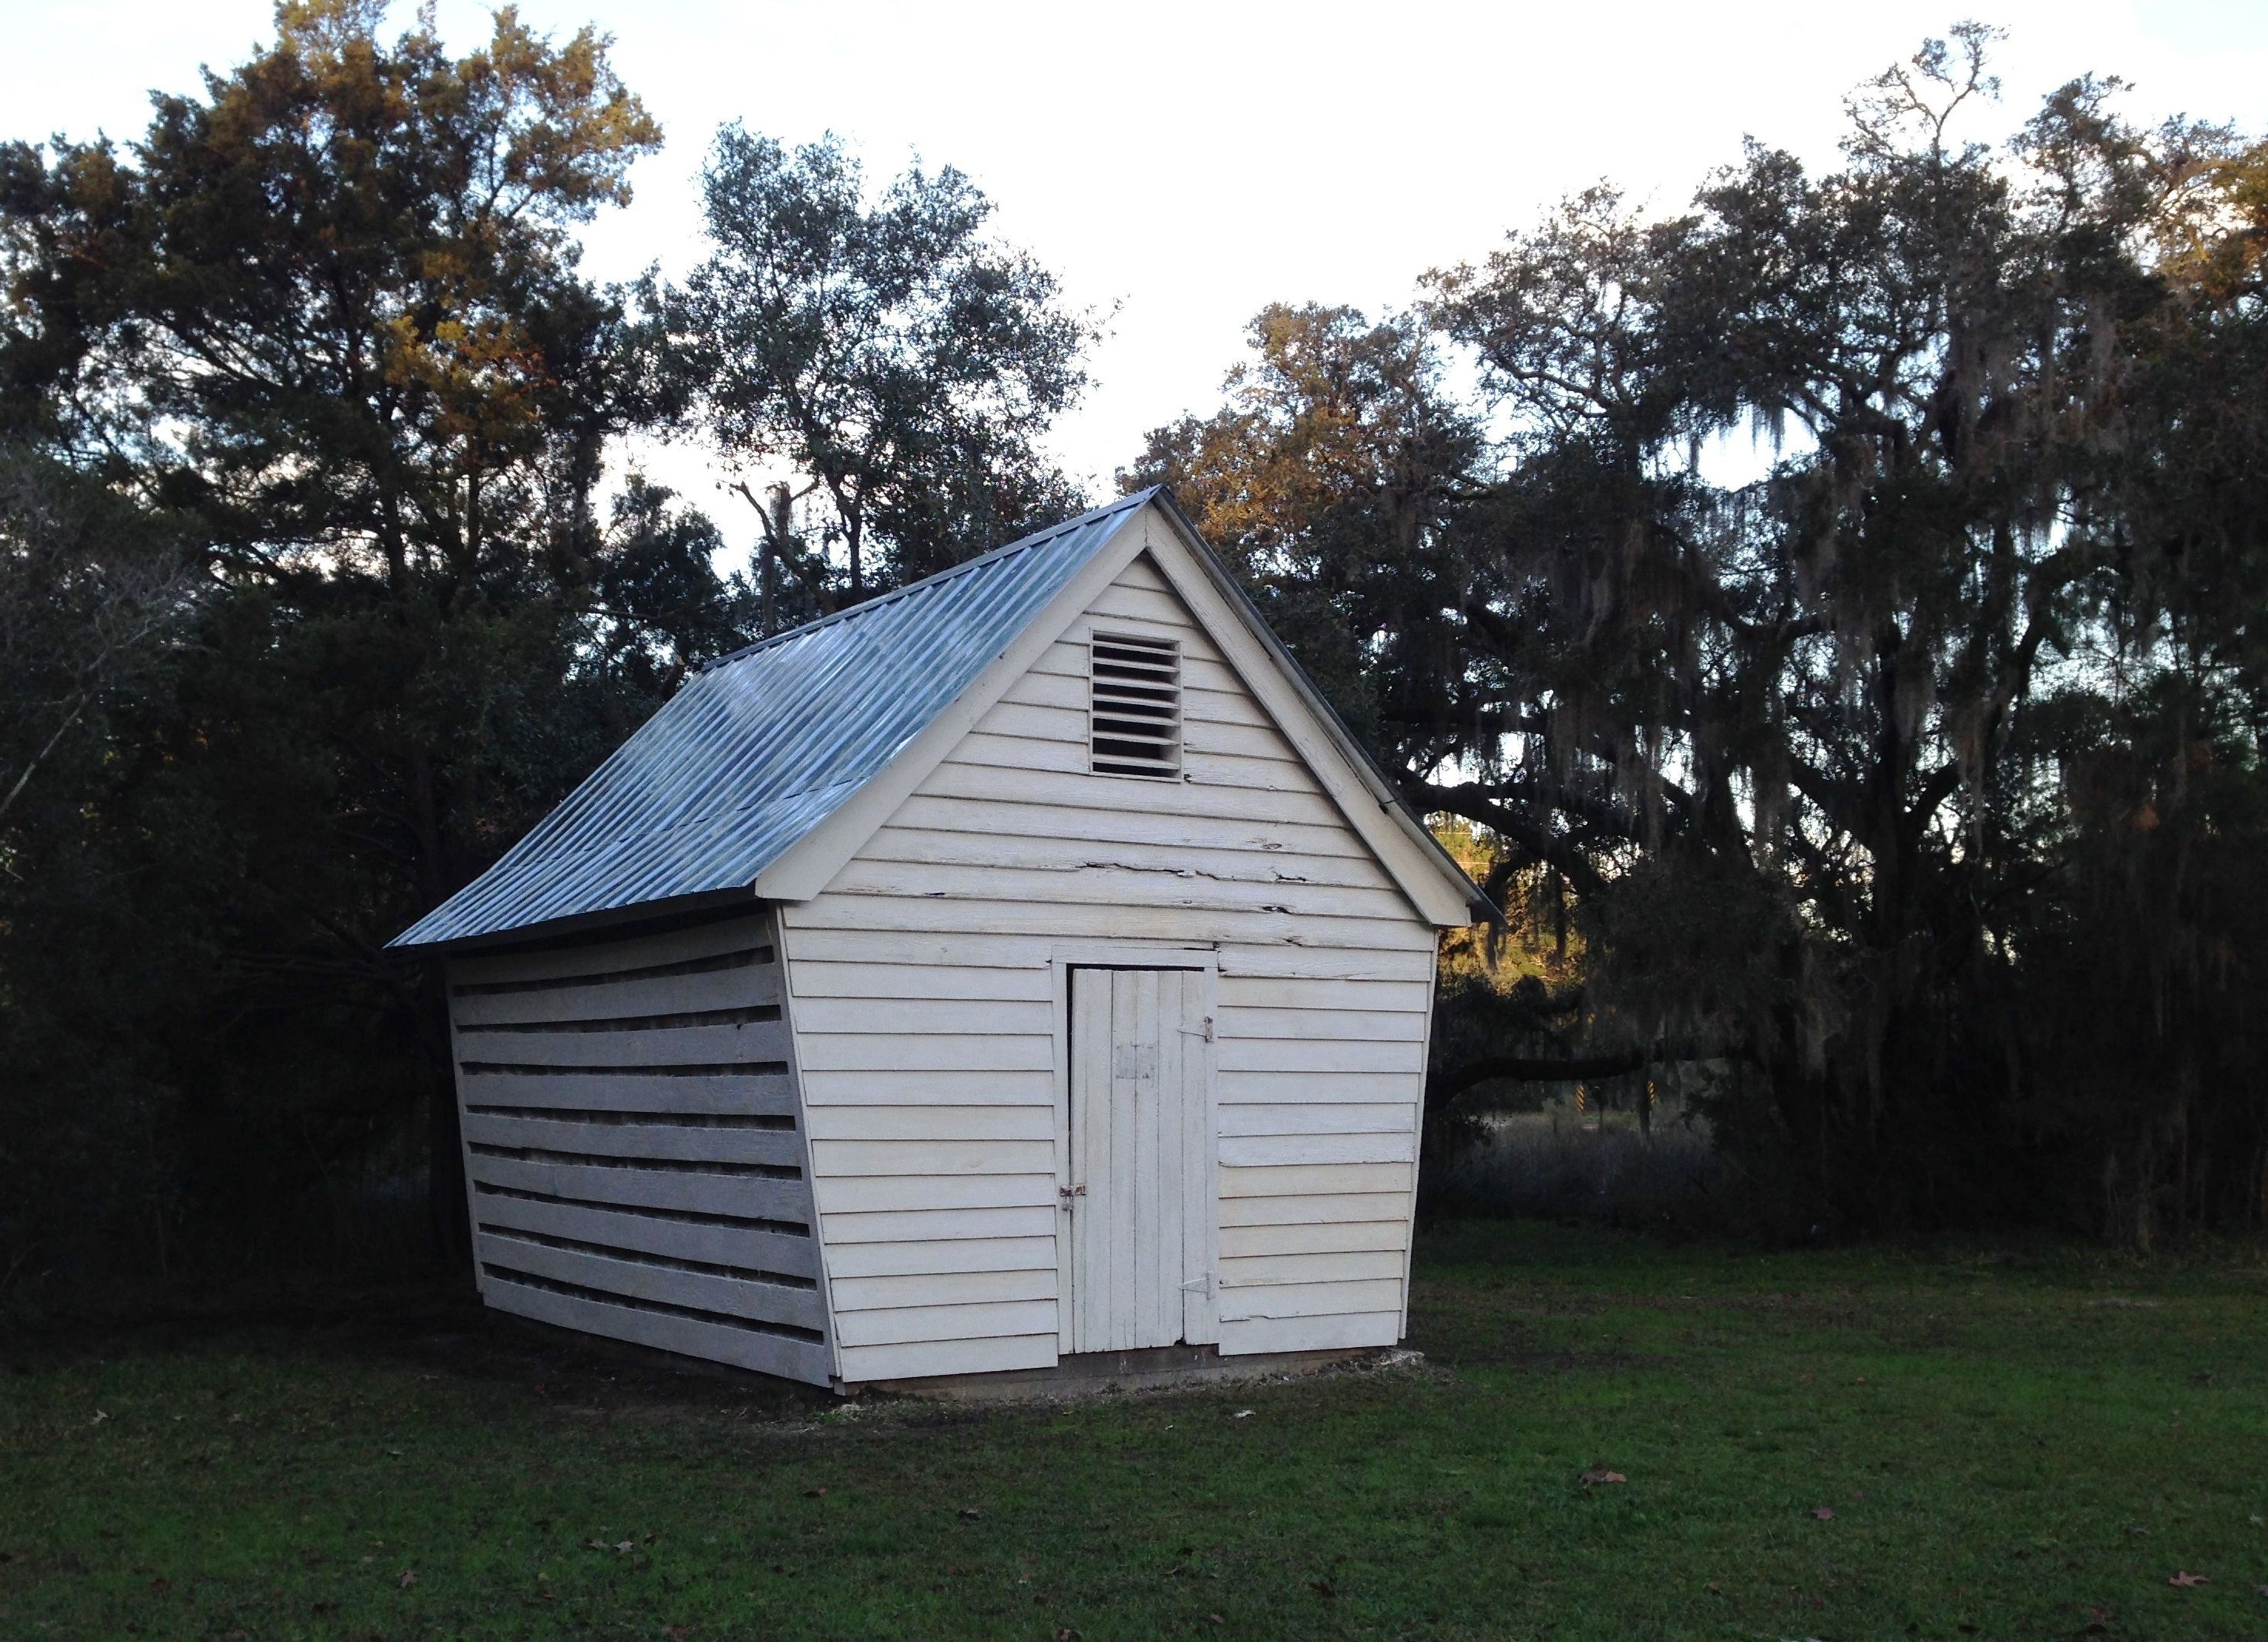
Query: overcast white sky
x,y
1193,161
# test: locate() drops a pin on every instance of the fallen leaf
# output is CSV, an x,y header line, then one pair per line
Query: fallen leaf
x,y
1712,1585
590,1544
2186,1579
625,1546
1858,1494
814,1493
1065,1633
99,1418
409,1578
1595,1478
1243,1413
970,1514
1825,1513
2137,1533
1215,1619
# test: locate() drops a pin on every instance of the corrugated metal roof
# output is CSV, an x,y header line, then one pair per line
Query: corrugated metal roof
x,y
764,744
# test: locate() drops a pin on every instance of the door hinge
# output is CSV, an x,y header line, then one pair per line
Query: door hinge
x,y
1204,1030
1204,1284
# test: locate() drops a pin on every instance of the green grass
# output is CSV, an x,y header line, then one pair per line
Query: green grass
x,y
2025,1446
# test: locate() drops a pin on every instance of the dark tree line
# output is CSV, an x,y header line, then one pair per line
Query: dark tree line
x,y
1913,787
1901,794
314,592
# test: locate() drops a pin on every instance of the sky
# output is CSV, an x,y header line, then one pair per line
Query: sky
x,y
1181,164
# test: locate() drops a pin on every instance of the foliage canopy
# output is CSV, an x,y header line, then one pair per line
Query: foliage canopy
x,y
1913,784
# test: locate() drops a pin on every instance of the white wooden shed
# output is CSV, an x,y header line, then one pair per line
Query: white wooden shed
x,y
1022,965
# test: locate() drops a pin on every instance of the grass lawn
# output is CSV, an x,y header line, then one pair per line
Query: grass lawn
x,y
2018,1445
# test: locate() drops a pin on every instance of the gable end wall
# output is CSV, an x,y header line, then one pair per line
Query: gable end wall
x,y
922,999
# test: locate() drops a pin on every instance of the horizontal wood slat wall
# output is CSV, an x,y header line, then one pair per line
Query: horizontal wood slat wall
x,y
923,1008
632,1144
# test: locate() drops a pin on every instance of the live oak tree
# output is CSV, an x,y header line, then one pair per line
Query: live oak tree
x,y
892,366
1913,784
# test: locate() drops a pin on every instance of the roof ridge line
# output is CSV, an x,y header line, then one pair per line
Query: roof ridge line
x,y
1022,544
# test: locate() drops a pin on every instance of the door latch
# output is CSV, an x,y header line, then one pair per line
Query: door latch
x,y
1068,1195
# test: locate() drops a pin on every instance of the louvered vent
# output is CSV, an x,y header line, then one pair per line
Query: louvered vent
x,y
1135,716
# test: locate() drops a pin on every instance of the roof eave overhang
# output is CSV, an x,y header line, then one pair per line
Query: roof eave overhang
x,y
578,924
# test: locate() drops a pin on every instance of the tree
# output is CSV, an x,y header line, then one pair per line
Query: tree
x,y
1836,764
902,366
1329,480
93,590
326,319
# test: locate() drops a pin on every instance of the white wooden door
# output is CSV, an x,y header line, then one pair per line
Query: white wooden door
x,y
1140,1198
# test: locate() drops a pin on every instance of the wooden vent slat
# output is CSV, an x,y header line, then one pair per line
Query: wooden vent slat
x,y
1135,706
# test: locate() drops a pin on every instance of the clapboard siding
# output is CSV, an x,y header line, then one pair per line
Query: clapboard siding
x,y
895,984
949,1357
721,1340
914,1230
1047,824
902,1325
1164,924
932,847
1281,996
854,1193
970,1284
633,1144
767,1094
655,995
924,1010
898,1258
1240,1241
1309,1266
1014,1017
1344,1117
606,962
1310,1333
1328,1208
795,1256
937,1121
922,1087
